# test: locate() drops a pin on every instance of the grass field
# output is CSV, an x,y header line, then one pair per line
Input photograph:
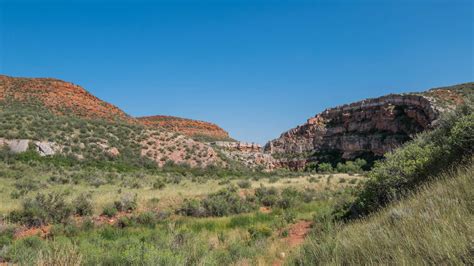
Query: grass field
x,y
257,236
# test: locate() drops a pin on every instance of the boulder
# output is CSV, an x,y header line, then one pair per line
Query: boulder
x,y
46,148
18,145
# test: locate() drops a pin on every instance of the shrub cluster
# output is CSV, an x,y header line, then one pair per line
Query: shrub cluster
x,y
222,203
285,199
43,209
349,167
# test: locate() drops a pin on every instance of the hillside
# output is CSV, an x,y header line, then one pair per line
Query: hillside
x,y
365,129
58,96
200,130
432,226
53,117
415,207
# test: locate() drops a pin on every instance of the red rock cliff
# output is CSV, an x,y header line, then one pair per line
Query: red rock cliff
x,y
366,128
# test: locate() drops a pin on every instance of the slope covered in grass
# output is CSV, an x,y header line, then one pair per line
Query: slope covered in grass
x,y
433,226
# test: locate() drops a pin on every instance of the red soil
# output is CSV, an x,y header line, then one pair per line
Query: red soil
x,y
296,235
59,96
42,232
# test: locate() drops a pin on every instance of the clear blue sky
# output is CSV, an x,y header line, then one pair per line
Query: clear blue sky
x,y
256,68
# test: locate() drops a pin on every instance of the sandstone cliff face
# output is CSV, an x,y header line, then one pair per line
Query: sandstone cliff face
x,y
58,96
188,127
367,128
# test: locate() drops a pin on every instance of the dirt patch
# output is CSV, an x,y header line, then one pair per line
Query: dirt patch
x,y
296,234
265,210
42,232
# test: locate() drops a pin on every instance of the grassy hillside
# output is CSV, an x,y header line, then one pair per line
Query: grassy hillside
x,y
102,142
415,208
434,226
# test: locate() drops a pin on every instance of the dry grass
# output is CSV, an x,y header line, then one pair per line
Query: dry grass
x,y
171,195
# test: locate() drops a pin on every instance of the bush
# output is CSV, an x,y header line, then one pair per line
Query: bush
x,y
124,222
267,196
244,184
259,232
289,198
147,219
351,167
128,202
43,209
159,184
109,211
273,179
226,202
325,168
83,205
222,203
192,207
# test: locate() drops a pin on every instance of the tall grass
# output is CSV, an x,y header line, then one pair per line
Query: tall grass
x,y
433,226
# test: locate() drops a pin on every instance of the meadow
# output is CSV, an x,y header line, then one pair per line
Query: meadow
x,y
121,210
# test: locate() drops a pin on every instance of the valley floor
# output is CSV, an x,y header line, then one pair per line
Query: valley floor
x,y
156,230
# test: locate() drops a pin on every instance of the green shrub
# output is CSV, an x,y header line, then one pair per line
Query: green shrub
x,y
43,209
325,168
351,167
159,184
267,196
6,236
289,198
192,207
83,205
273,179
109,211
260,232
124,221
244,184
226,202
222,203
128,202
147,219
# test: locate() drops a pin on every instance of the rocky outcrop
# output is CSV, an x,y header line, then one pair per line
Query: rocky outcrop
x,y
47,148
43,148
188,127
59,96
368,128
238,146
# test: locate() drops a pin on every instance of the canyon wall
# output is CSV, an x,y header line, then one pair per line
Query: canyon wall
x,y
367,128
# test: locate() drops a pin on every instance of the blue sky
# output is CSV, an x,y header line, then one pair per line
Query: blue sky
x,y
256,68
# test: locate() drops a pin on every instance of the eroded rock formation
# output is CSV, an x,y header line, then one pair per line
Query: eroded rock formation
x,y
367,128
